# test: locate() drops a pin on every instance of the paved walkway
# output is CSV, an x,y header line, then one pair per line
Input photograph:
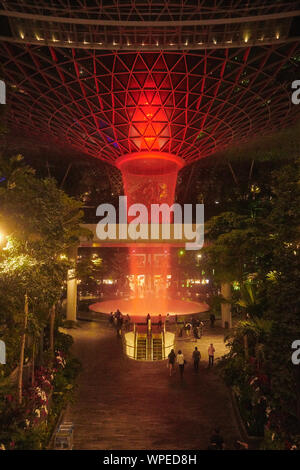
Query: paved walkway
x,y
125,404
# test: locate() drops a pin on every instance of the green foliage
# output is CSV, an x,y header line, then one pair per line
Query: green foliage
x,y
90,269
40,223
13,430
272,441
261,252
239,374
214,302
63,342
282,145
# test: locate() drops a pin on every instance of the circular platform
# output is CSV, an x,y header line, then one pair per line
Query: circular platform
x,y
141,307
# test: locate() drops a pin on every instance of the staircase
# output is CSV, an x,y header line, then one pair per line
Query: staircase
x,y
144,345
157,349
141,348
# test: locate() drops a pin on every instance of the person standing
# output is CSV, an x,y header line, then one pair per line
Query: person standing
x,y
171,357
196,358
212,319
211,355
119,326
180,362
127,322
195,333
187,328
148,321
217,440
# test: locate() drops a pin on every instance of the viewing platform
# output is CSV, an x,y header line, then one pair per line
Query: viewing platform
x,y
148,341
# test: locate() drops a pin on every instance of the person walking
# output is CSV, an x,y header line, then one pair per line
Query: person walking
x,y
180,362
217,440
211,355
171,363
196,358
180,330
119,326
212,319
187,329
195,333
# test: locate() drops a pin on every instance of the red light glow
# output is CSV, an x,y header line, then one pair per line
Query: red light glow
x,y
150,178
107,104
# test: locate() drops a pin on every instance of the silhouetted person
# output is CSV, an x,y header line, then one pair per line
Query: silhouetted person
x,y
211,355
195,333
171,363
180,362
187,328
119,326
196,358
159,323
111,318
148,320
127,322
200,329
212,319
216,440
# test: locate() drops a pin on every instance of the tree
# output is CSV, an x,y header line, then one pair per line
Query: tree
x,y
41,222
268,270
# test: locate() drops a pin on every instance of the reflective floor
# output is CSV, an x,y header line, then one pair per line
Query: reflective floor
x,y
124,404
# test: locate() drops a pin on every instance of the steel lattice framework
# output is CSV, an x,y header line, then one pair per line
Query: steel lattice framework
x,y
191,104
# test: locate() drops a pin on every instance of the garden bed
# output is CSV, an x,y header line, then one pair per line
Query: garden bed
x,y
31,424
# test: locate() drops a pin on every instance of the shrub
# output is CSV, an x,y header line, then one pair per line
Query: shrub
x,y
63,342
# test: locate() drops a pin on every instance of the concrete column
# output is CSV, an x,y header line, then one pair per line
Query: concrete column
x,y
72,287
226,308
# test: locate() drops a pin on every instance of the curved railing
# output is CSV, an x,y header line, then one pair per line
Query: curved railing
x,y
175,28
131,349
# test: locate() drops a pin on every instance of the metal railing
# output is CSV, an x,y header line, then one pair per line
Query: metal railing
x,y
183,29
131,350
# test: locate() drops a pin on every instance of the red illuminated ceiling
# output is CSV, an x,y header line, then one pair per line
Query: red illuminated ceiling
x,y
190,104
